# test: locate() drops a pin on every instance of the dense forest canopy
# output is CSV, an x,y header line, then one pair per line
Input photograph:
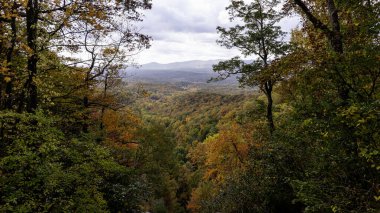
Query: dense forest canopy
x,y
301,135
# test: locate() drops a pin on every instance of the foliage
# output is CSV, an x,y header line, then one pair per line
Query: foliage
x,y
75,138
260,36
43,171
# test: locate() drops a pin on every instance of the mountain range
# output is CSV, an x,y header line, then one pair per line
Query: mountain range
x,y
195,71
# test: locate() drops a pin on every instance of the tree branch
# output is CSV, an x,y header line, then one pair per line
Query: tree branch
x,y
316,22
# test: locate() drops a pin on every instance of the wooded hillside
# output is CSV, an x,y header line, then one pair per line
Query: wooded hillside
x,y
301,135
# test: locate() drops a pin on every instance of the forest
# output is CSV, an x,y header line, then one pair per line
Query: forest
x,y
299,134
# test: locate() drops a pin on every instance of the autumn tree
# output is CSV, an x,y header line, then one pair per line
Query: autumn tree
x,y
78,28
333,95
55,56
257,36
349,28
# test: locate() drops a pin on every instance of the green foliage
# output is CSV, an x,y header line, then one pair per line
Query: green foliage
x,y
183,148
57,157
42,171
258,36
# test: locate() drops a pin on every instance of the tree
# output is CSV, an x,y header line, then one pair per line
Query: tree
x,y
345,25
81,28
42,170
47,163
258,36
333,95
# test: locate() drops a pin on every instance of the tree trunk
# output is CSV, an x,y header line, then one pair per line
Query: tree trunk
x,y
104,97
31,25
333,35
86,102
85,116
336,42
268,94
8,98
335,38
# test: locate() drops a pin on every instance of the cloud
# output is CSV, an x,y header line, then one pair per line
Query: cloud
x,y
186,46
186,30
197,16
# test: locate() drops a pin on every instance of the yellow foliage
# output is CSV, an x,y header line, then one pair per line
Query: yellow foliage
x,y
122,136
121,128
220,157
204,192
224,153
7,79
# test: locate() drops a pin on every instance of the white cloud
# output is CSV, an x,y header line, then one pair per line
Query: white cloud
x,y
186,30
223,17
186,46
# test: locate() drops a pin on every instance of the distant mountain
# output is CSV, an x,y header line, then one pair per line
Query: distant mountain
x,y
186,65
178,72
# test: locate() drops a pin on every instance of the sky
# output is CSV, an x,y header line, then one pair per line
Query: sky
x,y
184,30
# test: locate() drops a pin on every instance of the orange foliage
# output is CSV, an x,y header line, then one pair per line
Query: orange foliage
x,y
122,133
121,126
226,152
204,192
220,156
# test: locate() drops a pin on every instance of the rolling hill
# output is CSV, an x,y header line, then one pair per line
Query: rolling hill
x,y
195,72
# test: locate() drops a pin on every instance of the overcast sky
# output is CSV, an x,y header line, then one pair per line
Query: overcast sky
x,y
185,30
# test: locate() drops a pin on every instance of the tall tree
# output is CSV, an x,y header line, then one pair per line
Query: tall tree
x,y
335,92
257,36
102,30
345,24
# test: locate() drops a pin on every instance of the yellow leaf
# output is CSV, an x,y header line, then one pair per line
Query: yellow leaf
x,y
7,79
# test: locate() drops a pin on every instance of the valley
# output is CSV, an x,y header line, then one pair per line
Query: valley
x,y
286,120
